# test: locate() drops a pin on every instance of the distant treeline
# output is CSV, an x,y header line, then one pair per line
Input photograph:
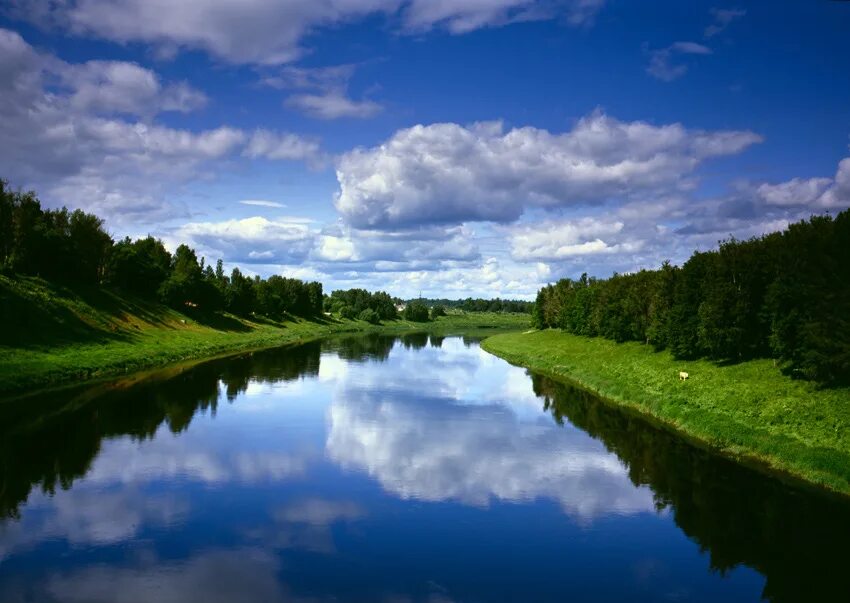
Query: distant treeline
x,y
785,295
359,303
481,305
74,249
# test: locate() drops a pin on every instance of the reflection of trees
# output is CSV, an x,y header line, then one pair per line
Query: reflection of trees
x,y
414,341
358,348
796,538
49,441
436,340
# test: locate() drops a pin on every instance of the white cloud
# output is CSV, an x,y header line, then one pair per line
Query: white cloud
x,y
324,92
661,63
251,240
262,203
74,144
462,16
269,32
442,448
333,105
722,18
281,145
557,240
424,245
319,512
812,193
216,576
121,87
798,191
444,173
838,195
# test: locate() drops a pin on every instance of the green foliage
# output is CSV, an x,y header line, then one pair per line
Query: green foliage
x,y
785,295
416,311
437,311
370,316
347,312
73,248
360,299
68,247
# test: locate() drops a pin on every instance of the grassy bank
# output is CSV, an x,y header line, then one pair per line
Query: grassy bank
x,y
52,336
748,411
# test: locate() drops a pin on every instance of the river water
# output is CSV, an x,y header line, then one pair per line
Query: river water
x,y
393,470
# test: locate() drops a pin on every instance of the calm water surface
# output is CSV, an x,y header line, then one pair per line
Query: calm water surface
x,y
388,469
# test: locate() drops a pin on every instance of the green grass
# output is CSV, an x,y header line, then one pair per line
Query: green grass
x,y
748,411
52,336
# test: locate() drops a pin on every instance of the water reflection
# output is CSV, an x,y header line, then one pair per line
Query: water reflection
x,y
795,538
416,468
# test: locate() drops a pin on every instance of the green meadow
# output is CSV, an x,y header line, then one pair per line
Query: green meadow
x,y
749,411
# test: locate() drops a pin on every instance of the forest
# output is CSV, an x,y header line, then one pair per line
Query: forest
x,y
74,249
785,295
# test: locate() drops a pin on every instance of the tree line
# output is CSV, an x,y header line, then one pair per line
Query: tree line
x,y
482,305
785,296
73,248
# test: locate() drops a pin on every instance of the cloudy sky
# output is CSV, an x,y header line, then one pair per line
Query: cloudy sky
x,y
452,147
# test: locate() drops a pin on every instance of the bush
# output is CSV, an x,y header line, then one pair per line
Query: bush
x,y
369,315
416,311
347,312
437,311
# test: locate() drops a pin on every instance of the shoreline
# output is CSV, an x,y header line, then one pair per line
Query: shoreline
x,y
25,371
749,412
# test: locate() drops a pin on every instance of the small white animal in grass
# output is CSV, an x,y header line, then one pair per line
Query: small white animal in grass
x,y
682,375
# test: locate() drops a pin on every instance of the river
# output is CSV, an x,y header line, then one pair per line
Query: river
x,y
389,469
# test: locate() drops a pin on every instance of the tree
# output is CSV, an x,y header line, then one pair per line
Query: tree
x,y
416,311
437,311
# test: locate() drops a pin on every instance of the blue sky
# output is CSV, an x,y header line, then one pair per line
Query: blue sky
x,y
464,147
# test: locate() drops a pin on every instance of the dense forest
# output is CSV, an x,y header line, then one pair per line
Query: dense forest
x,y
785,295
74,249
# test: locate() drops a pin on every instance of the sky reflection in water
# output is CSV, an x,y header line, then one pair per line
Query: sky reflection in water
x,y
367,469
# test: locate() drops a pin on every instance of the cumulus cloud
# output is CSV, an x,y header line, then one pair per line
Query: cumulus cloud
x,y
78,143
558,240
797,191
122,87
252,240
269,32
423,245
662,63
444,173
722,18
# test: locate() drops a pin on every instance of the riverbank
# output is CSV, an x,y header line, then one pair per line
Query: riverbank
x,y
748,411
54,337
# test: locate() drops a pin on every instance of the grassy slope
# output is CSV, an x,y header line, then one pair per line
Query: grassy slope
x,y
52,336
749,411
